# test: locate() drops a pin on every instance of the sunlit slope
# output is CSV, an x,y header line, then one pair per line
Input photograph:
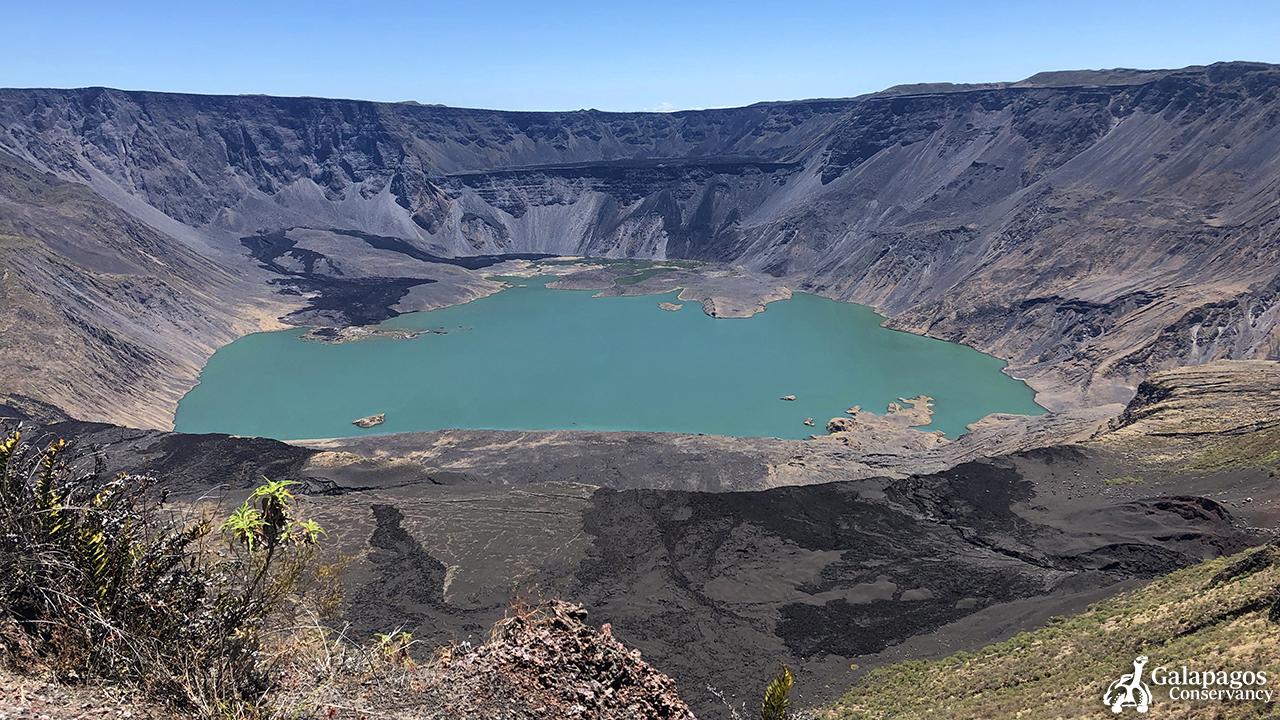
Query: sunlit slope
x,y
1219,616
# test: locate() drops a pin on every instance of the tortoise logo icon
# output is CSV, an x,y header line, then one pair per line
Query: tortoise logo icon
x,y
1129,690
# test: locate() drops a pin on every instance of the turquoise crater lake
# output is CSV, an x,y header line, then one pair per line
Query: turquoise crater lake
x,y
532,358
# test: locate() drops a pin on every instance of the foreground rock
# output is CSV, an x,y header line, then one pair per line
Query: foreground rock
x,y
540,663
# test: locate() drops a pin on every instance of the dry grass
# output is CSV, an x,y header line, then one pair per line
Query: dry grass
x,y
1214,616
1126,480
1256,449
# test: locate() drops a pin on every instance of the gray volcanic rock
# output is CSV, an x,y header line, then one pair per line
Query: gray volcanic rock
x,y
673,461
101,315
1090,227
840,425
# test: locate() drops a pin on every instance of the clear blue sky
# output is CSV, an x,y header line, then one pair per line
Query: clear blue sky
x,y
567,54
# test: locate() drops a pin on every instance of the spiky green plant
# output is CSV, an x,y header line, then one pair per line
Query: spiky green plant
x,y
774,706
262,525
97,578
308,532
394,647
245,526
267,518
275,504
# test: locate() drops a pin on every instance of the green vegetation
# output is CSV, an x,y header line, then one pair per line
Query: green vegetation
x,y
1221,615
640,276
1257,449
776,696
1126,480
640,270
21,183
100,579
633,264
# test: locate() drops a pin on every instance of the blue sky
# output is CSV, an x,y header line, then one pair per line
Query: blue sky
x,y
566,54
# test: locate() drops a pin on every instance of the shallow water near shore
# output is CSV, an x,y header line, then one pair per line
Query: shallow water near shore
x,y
532,358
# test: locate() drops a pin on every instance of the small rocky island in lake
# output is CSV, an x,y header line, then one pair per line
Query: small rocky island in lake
x,y
787,397
371,421
357,333
670,306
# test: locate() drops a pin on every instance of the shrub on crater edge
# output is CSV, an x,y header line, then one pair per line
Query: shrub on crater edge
x,y
98,578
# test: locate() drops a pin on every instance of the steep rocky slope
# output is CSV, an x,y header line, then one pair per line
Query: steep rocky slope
x,y
1221,616
1090,227
1206,418
101,315
1221,399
